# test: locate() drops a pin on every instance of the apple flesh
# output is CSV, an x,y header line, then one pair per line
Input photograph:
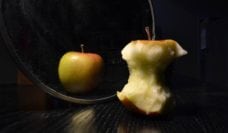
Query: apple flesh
x,y
147,60
80,72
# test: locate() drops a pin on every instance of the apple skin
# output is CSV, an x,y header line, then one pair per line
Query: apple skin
x,y
80,72
145,91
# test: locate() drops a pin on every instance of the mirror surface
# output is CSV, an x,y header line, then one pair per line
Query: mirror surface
x,y
38,32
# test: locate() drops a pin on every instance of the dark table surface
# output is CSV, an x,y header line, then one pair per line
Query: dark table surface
x,y
29,109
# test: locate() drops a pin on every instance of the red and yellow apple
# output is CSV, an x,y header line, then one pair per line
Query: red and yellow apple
x,y
145,91
80,72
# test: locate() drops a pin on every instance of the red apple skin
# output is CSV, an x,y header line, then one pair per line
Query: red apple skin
x,y
80,72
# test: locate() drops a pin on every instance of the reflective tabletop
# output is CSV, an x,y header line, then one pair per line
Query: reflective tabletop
x,y
28,109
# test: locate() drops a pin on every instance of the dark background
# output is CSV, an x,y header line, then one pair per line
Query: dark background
x,y
199,26
7,67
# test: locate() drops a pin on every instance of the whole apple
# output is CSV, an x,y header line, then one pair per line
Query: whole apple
x,y
80,72
147,60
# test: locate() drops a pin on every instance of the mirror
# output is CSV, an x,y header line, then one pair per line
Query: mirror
x,y
38,32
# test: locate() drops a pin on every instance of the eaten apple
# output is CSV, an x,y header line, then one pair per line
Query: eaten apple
x,y
80,72
146,91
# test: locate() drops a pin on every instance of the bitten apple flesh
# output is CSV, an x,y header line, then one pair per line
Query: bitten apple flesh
x,y
80,72
147,60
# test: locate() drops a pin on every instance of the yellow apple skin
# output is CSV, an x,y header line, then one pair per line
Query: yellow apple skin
x,y
80,72
147,60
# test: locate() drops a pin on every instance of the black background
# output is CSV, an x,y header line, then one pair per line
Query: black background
x,y
182,21
199,82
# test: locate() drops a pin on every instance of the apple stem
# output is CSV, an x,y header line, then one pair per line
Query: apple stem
x,y
147,29
82,48
153,20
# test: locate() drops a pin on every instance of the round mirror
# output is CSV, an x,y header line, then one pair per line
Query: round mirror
x,y
38,33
